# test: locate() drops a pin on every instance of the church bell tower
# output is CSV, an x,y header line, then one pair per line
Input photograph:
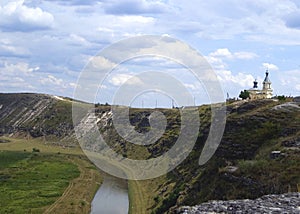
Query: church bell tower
x,y
267,90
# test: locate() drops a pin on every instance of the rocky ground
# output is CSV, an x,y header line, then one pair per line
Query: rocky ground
x,y
288,203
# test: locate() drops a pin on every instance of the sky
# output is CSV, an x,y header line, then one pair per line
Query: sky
x,y
46,44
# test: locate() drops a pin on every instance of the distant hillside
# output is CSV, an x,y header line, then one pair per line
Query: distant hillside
x,y
35,115
243,166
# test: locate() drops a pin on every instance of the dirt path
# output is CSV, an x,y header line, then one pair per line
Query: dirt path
x,y
80,192
137,198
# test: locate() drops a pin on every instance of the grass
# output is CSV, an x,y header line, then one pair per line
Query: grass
x,y
16,144
136,198
271,173
33,181
7,159
140,198
54,180
148,196
79,194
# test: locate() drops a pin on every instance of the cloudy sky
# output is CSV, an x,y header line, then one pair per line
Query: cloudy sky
x,y
45,44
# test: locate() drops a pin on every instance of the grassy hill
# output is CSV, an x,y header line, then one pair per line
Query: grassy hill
x,y
242,167
35,115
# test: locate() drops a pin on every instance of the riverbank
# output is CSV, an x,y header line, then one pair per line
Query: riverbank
x,y
79,192
77,198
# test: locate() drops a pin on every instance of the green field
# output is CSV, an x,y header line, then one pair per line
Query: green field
x,y
54,180
29,182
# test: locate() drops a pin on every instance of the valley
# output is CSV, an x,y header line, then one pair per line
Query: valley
x,y
259,153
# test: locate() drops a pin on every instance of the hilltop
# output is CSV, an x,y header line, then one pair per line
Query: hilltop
x,y
36,115
258,154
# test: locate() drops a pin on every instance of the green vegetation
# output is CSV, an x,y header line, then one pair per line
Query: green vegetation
x,y
241,167
244,94
31,182
82,188
281,98
253,130
35,150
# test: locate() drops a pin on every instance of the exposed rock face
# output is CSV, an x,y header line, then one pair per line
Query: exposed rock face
x,y
288,107
285,203
36,115
24,113
292,143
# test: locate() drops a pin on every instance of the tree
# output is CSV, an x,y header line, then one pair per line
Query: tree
x,y
244,94
281,98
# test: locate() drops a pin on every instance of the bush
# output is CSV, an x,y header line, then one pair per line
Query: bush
x,y
244,94
35,150
281,98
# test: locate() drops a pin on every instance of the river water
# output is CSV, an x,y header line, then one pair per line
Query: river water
x,y
111,198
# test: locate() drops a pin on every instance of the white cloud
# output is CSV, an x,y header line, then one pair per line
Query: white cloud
x,y
243,80
72,84
16,77
217,60
120,79
13,51
102,63
135,7
290,82
34,69
75,2
290,77
269,66
21,76
51,80
251,20
232,82
105,29
222,52
195,86
137,19
9,49
78,39
15,69
244,55
225,53
15,16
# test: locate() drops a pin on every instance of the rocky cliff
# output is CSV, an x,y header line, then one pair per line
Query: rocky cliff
x,y
36,115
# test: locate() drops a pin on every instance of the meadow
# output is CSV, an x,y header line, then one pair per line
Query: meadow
x,y
45,180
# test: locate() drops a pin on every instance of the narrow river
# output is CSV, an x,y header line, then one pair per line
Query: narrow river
x,y
111,198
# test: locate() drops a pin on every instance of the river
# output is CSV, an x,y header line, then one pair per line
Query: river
x,y
112,197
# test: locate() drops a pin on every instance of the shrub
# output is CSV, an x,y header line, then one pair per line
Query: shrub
x,y
244,94
35,150
281,98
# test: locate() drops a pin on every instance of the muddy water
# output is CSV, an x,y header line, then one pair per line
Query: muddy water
x,y
111,198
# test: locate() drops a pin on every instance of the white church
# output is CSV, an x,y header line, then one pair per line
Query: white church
x,y
265,93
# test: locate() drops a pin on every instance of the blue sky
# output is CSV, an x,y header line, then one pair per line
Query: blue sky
x,y
45,44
